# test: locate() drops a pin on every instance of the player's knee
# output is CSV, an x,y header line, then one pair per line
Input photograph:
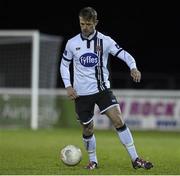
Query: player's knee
x,y
118,121
118,124
88,129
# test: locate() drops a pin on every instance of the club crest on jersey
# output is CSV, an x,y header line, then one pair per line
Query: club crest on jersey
x,y
89,59
98,48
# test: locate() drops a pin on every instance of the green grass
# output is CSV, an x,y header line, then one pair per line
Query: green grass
x,y
26,152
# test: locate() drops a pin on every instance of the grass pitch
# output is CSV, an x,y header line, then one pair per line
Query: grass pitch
x,y
26,152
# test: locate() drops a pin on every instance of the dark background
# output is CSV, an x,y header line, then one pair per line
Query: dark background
x,y
149,30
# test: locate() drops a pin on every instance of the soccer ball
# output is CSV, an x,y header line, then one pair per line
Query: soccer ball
x,y
71,155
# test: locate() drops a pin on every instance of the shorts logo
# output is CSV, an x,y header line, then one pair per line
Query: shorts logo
x,y
113,100
89,59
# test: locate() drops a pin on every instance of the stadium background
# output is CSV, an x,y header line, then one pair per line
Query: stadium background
x,y
149,31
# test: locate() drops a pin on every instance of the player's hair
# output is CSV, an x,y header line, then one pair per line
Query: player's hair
x,y
88,13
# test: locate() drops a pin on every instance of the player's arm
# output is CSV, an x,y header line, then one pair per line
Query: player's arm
x,y
120,53
71,93
130,61
136,74
65,72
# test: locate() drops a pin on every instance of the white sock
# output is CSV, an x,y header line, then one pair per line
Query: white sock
x,y
90,145
126,138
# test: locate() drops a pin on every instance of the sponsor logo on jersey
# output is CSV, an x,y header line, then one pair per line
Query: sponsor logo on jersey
x,y
89,59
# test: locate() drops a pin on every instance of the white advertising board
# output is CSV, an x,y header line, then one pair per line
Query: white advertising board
x,y
145,110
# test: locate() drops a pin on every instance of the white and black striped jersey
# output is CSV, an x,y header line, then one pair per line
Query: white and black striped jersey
x,y
90,57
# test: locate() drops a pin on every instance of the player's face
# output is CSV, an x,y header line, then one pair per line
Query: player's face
x,y
87,27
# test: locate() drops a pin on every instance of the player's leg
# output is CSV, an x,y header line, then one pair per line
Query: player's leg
x,y
90,144
109,105
123,131
85,109
125,136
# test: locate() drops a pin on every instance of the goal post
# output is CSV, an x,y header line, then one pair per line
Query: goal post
x,y
34,55
35,80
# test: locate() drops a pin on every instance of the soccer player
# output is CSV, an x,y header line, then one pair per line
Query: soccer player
x,y
89,52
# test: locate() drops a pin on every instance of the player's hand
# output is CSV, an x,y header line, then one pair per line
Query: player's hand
x,y
136,75
71,93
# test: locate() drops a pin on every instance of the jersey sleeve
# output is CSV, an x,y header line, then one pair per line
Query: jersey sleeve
x,y
120,53
64,66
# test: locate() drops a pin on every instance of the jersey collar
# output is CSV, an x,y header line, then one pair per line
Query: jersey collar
x,y
91,37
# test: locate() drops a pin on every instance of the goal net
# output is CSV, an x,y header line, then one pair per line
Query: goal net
x,y
28,72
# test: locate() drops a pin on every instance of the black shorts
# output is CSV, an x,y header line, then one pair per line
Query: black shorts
x,y
84,105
